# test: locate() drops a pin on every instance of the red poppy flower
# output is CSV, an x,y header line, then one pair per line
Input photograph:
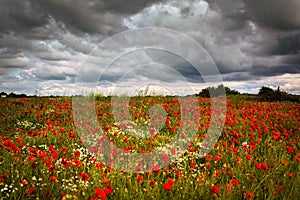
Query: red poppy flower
x,y
217,172
249,195
140,179
193,165
284,163
54,155
31,158
208,157
167,186
290,149
216,158
24,182
77,163
77,153
42,154
179,174
173,151
108,189
214,190
234,182
248,157
99,193
170,181
65,162
224,144
297,157
152,182
84,176
280,188
208,164
258,166
30,191
53,178
229,173
100,166
64,150
51,148
264,166
165,158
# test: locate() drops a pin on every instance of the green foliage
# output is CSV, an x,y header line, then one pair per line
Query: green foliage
x,y
231,92
99,96
42,156
268,94
217,91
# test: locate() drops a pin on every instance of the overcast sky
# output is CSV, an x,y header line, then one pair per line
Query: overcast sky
x,y
45,44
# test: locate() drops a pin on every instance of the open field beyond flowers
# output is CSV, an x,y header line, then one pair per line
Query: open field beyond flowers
x,y
42,156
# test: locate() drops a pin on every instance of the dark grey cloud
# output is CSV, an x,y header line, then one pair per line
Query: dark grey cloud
x,y
287,45
239,77
234,16
36,33
177,64
45,42
92,16
19,15
124,7
226,69
79,15
274,70
292,59
278,14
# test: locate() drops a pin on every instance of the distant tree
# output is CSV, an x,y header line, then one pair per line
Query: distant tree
x,y
204,93
22,95
212,91
268,94
217,91
230,91
13,95
264,90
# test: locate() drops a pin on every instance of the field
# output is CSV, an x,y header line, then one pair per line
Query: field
x,y
44,155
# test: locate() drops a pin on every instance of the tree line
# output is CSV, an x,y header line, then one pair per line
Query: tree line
x,y
265,94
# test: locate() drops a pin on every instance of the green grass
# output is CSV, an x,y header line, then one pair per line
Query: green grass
x,y
38,140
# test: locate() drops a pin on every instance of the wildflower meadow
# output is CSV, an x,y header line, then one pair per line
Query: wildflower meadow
x,y
43,156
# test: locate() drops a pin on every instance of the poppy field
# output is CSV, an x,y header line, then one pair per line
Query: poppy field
x,y
43,156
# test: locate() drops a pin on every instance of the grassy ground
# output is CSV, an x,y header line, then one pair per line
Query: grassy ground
x,y
42,155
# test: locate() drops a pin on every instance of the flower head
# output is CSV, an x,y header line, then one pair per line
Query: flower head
x,y
214,190
99,193
245,145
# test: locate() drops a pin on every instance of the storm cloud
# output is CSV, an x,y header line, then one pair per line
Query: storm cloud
x,y
277,14
43,44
